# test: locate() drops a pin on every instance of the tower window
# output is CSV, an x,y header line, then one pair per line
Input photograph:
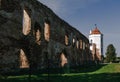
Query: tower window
x,y
91,41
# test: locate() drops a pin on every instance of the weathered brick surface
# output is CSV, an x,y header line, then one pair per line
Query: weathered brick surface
x,y
41,35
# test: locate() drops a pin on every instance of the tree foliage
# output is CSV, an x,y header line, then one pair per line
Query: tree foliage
x,y
110,53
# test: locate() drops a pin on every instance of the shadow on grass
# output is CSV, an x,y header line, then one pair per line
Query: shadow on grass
x,y
86,69
25,79
103,77
39,77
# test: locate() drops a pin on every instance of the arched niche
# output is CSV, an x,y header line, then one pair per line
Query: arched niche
x,y
26,21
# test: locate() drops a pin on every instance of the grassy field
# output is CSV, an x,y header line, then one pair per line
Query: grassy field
x,y
99,73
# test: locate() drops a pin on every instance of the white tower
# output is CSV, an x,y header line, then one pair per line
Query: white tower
x,y
96,38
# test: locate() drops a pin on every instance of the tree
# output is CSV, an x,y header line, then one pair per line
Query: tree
x,y
110,53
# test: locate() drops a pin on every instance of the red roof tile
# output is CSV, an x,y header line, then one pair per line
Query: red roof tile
x,y
96,31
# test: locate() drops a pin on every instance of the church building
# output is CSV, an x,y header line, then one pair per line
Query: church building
x,y
96,43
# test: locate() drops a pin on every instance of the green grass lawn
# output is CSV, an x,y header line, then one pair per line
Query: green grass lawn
x,y
99,73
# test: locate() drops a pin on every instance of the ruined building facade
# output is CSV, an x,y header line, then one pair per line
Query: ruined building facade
x,y
32,35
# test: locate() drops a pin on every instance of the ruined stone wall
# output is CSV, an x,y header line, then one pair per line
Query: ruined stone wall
x,y
95,54
31,35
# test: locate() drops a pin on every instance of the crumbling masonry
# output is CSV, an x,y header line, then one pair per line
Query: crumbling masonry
x,y
32,35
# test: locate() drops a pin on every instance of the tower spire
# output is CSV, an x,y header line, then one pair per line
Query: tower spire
x,y
96,25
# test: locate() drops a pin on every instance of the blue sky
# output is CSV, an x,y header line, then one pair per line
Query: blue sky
x,y
84,14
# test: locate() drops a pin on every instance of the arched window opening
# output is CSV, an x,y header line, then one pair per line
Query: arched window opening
x,y
73,42
47,30
38,35
77,44
81,44
26,21
23,60
66,40
37,32
63,60
91,42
